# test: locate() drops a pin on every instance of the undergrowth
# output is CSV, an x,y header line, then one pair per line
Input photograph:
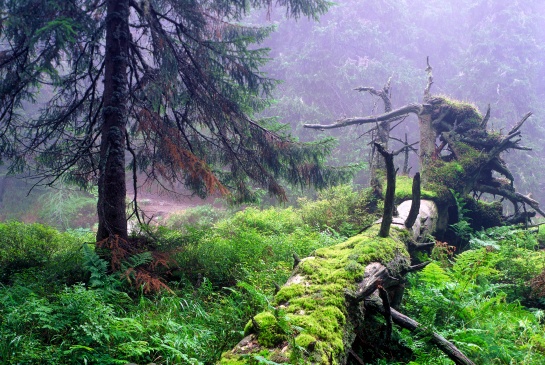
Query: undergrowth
x,y
61,302
476,301
224,273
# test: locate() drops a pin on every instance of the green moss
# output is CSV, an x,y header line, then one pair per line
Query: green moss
x,y
541,235
466,115
484,215
290,291
268,332
248,328
315,302
304,340
404,190
228,358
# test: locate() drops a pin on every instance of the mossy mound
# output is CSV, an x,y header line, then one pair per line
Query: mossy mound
x,y
484,215
404,186
448,113
314,304
458,164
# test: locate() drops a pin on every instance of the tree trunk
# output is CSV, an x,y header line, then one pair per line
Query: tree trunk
x,y
427,144
112,218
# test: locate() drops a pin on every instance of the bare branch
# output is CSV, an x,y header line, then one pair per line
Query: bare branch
x,y
511,195
384,94
519,124
406,322
407,109
430,80
406,147
486,118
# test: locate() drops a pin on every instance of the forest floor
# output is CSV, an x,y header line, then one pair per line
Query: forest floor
x,y
158,207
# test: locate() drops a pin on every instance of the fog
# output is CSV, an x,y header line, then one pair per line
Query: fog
x,y
483,52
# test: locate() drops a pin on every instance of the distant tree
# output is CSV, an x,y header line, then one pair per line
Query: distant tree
x,y
172,84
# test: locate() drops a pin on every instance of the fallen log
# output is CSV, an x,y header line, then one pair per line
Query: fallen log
x,y
316,315
322,302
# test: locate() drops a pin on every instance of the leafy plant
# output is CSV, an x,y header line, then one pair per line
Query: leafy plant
x,y
462,228
340,209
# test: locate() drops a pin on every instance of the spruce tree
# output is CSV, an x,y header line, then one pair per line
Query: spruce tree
x,y
171,84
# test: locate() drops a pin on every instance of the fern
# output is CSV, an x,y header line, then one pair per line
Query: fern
x,y
98,270
435,276
136,260
96,266
462,228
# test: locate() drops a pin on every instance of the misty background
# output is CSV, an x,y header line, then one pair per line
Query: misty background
x,y
482,51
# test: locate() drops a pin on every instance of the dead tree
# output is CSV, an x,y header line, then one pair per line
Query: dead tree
x,y
467,157
328,301
381,132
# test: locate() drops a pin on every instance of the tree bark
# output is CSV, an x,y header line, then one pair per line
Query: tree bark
x,y
389,197
427,144
415,204
111,186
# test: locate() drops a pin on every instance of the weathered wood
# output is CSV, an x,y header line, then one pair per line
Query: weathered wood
x,y
387,216
429,70
408,323
381,136
484,122
418,267
383,294
375,274
344,122
415,203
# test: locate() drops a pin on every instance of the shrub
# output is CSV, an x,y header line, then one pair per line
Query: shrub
x,y
340,209
251,245
41,252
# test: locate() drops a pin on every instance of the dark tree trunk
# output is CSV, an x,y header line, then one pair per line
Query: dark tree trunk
x,y
390,191
112,218
415,205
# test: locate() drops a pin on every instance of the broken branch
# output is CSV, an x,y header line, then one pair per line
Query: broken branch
x,y
407,109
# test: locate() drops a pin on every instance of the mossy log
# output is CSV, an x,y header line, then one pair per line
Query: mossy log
x,y
330,297
317,312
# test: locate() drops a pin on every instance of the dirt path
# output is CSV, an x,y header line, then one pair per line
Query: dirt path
x,y
159,207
